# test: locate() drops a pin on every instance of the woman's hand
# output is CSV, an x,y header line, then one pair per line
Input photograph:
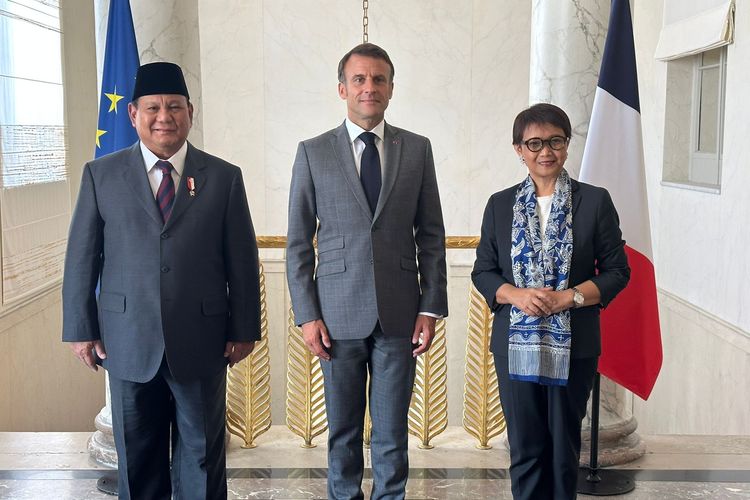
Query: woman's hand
x,y
559,301
535,301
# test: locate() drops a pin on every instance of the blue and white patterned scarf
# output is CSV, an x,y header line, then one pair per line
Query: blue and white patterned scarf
x,y
539,347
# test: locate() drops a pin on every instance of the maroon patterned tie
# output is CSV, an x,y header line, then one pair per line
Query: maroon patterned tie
x,y
165,194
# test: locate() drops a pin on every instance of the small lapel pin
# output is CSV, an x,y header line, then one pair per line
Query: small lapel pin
x,y
191,185
396,141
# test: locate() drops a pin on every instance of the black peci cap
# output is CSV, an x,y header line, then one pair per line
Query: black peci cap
x,y
159,78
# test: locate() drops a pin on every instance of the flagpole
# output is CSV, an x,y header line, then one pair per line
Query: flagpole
x,y
114,132
591,479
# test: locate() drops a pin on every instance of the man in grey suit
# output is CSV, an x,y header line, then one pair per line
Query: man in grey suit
x,y
163,230
370,302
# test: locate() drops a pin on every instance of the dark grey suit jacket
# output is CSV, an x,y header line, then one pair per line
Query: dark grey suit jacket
x,y
386,267
598,255
183,288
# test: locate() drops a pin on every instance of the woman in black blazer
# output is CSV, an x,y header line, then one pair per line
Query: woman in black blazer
x,y
550,257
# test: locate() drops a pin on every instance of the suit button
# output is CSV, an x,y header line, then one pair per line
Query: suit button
x,y
164,236
370,261
164,269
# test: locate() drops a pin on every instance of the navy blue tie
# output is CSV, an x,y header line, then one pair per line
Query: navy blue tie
x,y
369,169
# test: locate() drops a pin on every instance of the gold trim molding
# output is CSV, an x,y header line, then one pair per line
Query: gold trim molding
x,y
451,242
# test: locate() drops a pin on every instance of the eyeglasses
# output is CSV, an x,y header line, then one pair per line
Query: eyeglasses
x,y
535,144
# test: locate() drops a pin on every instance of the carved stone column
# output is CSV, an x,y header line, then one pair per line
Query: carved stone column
x,y
567,41
101,444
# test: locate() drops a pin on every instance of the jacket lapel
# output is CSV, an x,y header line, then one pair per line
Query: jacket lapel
x,y
194,168
392,148
136,177
575,187
343,149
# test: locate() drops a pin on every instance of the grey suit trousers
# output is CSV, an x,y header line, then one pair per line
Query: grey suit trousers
x,y
391,366
143,415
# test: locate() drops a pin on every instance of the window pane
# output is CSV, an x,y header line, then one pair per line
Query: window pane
x,y
34,190
709,111
32,144
711,57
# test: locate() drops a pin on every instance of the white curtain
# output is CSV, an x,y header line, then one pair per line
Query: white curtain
x,y
34,190
695,26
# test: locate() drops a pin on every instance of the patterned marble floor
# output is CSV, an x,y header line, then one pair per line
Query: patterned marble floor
x,y
56,466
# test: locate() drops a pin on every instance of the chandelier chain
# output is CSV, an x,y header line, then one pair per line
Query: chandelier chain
x,y
365,20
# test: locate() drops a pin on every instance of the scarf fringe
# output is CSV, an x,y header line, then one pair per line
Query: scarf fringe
x,y
547,366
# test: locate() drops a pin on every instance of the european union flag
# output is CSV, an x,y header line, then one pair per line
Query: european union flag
x,y
120,66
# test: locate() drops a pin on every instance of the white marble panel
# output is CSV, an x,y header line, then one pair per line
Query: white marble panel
x,y
277,303
303,42
431,45
499,91
233,83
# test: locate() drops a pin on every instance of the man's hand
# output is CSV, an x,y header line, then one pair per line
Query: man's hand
x,y
424,331
85,352
237,351
316,338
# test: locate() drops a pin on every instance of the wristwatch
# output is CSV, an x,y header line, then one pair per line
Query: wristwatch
x,y
578,298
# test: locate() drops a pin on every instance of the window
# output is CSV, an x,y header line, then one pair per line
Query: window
x,y
707,120
694,119
34,191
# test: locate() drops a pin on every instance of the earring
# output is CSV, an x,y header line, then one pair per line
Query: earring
x,y
522,159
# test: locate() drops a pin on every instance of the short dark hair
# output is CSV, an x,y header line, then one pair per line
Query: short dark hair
x,y
540,114
365,50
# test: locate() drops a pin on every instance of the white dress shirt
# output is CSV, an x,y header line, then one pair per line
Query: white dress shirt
x,y
154,173
358,145
543,209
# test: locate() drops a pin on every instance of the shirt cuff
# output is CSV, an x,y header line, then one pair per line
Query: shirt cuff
x,y
431,315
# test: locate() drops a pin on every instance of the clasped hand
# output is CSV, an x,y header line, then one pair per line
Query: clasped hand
x,y
539,301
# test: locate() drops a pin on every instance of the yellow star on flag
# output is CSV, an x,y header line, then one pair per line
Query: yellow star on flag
x,y
113,100
99,133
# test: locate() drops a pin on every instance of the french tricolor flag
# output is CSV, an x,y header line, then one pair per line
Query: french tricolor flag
x,y
613,158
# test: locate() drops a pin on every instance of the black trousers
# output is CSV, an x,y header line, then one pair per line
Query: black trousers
x,y
544,430
143,418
